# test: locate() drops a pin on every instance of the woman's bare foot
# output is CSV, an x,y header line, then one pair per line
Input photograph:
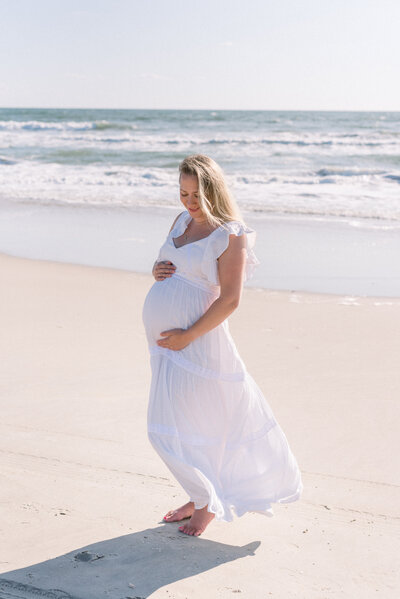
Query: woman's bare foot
x,y
185,511
198,522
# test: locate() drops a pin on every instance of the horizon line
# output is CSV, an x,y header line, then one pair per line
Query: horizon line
x,y
196,109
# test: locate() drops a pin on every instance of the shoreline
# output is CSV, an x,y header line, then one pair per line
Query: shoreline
x,y
295,255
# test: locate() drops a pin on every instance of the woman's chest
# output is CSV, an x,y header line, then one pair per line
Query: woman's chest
x,y
187,258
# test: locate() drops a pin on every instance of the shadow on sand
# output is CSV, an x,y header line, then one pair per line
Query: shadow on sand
x,y
129,567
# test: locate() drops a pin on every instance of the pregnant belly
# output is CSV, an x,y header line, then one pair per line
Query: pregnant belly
x,y
173,303
176,304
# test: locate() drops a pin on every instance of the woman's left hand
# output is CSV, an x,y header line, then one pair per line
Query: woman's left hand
x,y
174,339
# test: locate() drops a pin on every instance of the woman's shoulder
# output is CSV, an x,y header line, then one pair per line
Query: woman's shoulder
x,y
219,241
177,219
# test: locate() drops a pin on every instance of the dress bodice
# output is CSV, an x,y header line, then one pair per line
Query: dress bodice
x,y
196,261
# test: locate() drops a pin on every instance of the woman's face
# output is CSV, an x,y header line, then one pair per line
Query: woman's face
x,y
189,188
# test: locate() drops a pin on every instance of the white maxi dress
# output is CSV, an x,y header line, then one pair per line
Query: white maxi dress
x,y
207,418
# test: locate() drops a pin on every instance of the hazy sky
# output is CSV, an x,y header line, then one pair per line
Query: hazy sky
x,y
212,54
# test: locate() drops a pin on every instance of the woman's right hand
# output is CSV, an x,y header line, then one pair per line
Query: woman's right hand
x,y
163,269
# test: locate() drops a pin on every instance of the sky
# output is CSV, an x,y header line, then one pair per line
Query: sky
x,y
208,54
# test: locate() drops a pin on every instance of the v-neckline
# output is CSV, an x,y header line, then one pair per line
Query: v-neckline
x,y
187,222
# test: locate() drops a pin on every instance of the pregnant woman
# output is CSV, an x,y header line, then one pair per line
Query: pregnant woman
x,y
207,418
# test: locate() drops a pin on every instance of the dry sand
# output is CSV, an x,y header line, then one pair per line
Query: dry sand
x,y
79,475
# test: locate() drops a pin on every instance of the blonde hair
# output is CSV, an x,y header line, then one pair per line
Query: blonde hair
x,y
215,199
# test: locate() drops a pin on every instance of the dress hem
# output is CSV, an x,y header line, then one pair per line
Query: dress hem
x,y
225,508
229,510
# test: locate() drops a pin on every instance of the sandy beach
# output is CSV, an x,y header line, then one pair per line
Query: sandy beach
x,y
83,492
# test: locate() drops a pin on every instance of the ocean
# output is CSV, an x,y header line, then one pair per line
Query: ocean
x,y
321,167
326,164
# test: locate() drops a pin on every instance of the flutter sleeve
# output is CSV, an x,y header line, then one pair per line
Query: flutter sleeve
x,y
218,243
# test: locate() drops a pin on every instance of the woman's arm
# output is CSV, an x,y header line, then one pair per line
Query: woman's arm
x,y
230,272
231,265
